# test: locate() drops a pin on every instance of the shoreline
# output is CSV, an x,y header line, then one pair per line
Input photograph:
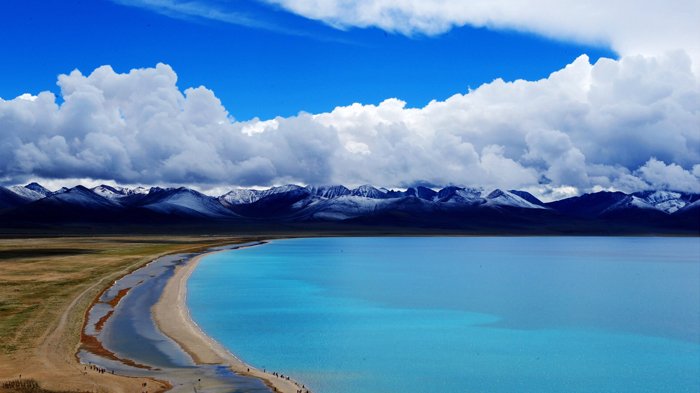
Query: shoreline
x,y
46,347
172,317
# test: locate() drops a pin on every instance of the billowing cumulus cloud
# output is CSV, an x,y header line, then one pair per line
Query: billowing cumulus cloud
x,y
628,124
628,26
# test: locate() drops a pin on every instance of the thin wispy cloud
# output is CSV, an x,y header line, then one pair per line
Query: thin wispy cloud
x,y
198,11
193,10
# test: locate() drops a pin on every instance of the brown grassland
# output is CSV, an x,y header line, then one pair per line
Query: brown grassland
x,y
46,286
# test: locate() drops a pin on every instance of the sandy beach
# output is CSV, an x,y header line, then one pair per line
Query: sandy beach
x,y
173,319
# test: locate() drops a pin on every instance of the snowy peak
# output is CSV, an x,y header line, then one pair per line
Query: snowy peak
x,y
666,201
109,192
10,199
528,197
281,190
328,192
80,196
505,198
282,193
459,195
31,192
184,201
240,196
34,186
368,191
119,194
422,193
243,196
25,193
630,202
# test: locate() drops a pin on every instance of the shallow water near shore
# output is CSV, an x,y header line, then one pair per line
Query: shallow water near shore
x,y
536,314
131,333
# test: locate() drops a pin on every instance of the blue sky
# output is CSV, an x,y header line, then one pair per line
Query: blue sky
x,y
283,65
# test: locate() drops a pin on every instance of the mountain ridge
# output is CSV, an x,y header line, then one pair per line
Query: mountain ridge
x,y
469,208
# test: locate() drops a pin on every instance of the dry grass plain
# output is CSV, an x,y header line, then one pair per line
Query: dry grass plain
x,y
47,284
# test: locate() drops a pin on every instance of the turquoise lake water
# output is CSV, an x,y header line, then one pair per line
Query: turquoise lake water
x,y
411,315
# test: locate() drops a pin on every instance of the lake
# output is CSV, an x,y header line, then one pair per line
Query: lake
x,y
460,314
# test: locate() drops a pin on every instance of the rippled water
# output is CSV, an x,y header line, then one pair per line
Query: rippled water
x,y
536,314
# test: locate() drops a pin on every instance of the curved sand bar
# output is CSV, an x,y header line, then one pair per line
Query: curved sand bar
x,y
173,319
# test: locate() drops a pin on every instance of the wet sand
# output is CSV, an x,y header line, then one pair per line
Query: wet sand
x,y
173,319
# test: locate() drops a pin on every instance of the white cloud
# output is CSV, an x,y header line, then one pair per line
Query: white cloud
x,y
566,164
630,27
660,175
27,97
631,124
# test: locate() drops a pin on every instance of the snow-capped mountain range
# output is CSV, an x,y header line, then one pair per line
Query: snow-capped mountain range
x,y
451,207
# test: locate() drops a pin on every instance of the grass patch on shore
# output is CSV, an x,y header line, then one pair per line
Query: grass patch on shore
x,y
25,386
